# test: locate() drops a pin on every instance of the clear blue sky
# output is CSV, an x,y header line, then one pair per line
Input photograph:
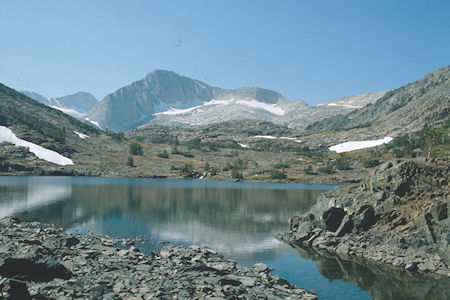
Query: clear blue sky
x,y
312,50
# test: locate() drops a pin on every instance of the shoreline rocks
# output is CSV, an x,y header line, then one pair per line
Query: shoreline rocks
x,y
397,216
39,261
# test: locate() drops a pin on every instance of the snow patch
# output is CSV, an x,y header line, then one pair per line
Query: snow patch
x,y
6,135
80,135
176,111
69,111
291,139
272,108
342,104
243,145
269,137
356,145
93,122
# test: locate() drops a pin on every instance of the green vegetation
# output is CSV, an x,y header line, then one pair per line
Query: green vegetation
x,y
117,136
370,163
236,174
328,168
306,151
163,154
342,162
308,170
187,171
277,174
13,115
130,161
422,143
136,148
281,165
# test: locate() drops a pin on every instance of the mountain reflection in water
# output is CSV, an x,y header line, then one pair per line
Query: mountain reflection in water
x,y
239,220
381,281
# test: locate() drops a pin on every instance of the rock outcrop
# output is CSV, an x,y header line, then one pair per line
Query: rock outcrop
x,y
40,261
397,216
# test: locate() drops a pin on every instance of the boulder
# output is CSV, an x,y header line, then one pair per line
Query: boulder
x,y
332,218
345,227
364,218
34,268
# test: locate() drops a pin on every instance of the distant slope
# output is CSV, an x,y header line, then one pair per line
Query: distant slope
x,y
356,101
405,109
81,102
77,105
40,124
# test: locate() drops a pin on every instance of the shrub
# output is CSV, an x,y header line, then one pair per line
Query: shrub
x,y
136,149
342,163
213,171
370,163
277,174
326,169
281,165
187,154
236,173
163,154
187,171
130,161
175,151
308,170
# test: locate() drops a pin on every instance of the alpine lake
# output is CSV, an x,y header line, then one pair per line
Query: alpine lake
x,y
237,219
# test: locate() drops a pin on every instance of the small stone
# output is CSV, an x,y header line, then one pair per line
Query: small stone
x,y
260,267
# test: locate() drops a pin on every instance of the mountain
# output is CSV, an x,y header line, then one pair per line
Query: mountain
x,y
77,105
167,93
37,97
166,98
406,109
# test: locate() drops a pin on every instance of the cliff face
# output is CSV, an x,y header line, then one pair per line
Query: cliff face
x,y
398,216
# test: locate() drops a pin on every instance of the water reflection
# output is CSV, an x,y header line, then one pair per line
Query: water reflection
x,y
381,281
237,220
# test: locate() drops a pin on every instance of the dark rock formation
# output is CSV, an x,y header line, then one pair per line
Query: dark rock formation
x,y
397,216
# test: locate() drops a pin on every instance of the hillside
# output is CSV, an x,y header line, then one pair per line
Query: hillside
x,y
408,108
47,128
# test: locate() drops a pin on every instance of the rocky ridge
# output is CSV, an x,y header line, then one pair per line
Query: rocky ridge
x,y
397,216
39,261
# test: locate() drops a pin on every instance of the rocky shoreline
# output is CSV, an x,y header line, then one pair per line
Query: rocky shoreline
x,y
39,261
396,216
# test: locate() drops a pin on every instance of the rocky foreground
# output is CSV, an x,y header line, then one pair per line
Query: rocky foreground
x,y
40,261
397,216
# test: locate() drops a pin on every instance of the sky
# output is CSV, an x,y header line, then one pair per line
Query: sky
x,y
312,50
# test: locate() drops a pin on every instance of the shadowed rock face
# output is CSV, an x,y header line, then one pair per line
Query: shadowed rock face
x,y
398,216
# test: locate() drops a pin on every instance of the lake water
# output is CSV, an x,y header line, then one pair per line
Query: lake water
x,y
239,220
